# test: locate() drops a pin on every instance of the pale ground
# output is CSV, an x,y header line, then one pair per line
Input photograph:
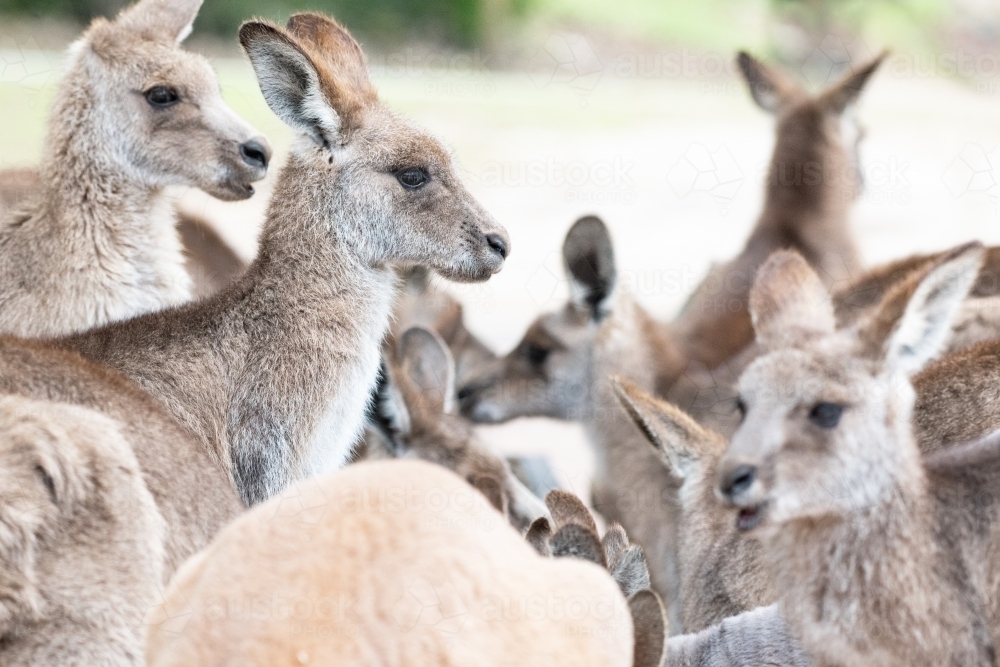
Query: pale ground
x,y
673,165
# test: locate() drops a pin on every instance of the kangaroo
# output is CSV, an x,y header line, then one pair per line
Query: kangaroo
x,y
401,562
134,113
82,549
274,372
813,178
720,570
411,417
559,369
878,557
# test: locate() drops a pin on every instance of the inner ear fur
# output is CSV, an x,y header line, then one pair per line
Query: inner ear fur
x,y
589,258
428,364
913,320
770,88
681,441
845,92
788,302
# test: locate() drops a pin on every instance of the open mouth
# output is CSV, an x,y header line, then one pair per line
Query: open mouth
x,y
749,518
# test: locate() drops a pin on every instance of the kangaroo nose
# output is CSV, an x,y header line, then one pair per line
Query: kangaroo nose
x,y
256,153
737,481
498,244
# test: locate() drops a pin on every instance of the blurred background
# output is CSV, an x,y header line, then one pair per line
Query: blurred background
x,y
630,109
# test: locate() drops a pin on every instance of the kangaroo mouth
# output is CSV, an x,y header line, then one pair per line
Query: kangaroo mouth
x,y
750,517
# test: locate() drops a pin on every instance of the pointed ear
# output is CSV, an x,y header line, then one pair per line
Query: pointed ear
x,y
846,92
649,620
290,81
387,412
789,302
770,88
681,441
342,66
538,536
630,571
161,20
925,324
427,362
590,262
567,508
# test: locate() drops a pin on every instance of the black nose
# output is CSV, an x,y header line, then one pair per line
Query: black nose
x,y
498,244
256,153
737,480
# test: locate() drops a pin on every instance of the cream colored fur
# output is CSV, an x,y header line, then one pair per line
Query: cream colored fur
x,y
386,564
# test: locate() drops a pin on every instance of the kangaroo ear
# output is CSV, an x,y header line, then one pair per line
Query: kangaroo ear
x,y
789,302
538,535
649,621
590,262
290,81
427,362
567,508
846,92
387,412
770,88
576,541
161,20
681,441
342,67
934,302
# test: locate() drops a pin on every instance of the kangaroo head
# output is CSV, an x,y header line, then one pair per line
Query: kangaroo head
x,y
392,189
826,413
823,125
550,372
413,416
132,96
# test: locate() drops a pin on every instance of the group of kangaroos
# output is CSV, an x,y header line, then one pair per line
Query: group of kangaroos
x,y
208,462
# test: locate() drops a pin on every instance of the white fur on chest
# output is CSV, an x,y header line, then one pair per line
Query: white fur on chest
x,y
341,425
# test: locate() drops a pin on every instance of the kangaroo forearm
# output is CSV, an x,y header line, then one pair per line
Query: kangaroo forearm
x,y
758,637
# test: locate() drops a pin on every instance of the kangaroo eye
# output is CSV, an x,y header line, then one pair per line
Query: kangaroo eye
x,y
161,97
412,178
826,415
741,408
536,354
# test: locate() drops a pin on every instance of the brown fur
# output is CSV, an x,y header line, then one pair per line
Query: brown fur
x,y
95,241
719,568
424,302
193,494
274,373
395,576
812,181
412,418
560,369
870,565
81,540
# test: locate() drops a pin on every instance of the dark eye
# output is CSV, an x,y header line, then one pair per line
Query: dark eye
x,y
741,408
161,96
826,415
412,178
536,354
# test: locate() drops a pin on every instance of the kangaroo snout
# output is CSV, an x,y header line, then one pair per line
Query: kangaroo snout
x,y
256,153
735,482
499,243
